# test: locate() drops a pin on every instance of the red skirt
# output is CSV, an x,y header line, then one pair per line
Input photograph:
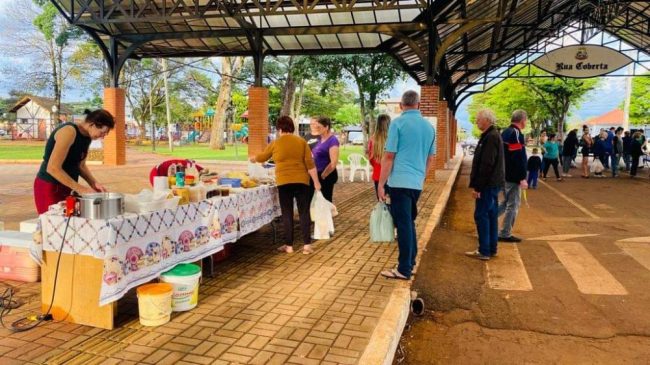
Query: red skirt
x,y
47,193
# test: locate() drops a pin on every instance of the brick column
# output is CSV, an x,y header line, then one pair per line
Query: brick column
x,y
429,99
442,133
452,134
258,119
115,141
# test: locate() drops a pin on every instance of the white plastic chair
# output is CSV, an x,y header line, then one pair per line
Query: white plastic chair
x,y
340,168
356,164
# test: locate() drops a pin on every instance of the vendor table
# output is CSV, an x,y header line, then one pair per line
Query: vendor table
x,y
103,259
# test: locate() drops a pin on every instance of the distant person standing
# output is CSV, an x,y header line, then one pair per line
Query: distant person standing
x,y
600,150
609,145
534,167
586,143
569,150
486,180
376,146
515,166
636,152
326,156
551,158
627,150
312,136
617,150
410,150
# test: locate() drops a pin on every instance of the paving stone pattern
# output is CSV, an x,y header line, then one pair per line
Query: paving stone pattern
x,y
261,307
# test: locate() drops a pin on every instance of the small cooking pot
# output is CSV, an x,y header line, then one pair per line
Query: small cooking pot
x,y
101,205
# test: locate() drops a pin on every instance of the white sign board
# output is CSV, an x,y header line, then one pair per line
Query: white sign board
x,y
582,61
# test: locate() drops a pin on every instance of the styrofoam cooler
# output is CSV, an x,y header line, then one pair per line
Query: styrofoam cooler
x,y
15,262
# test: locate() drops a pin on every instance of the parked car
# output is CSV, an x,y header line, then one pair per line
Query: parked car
x,y
3,132
355,137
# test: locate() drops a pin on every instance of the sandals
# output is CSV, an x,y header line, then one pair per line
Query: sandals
x,y
285,248
393,274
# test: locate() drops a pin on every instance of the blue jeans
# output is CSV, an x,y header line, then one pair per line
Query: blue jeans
x,y
532,178
510,206
615,160
487,220
627,158
403,208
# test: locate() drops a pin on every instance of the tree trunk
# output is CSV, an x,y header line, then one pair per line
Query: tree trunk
x,y
218,121
55,82
288,91
167,106
297,107
142,129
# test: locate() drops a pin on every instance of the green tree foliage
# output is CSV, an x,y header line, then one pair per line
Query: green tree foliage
x,y
318,101
543,98
640,101
347,114
558,94
374,75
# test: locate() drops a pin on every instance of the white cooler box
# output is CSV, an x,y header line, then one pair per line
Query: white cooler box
x,y
15,262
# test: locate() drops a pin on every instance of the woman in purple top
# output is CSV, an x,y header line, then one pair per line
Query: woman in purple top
x,y
326,156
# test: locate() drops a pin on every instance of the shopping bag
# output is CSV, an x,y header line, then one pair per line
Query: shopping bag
x,y
381,224
597,166
321,211
257,171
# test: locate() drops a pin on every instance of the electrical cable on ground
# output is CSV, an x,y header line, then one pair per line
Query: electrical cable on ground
x,y
7,303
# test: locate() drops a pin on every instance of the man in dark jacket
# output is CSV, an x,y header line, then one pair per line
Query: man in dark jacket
x,y
514,146
487,179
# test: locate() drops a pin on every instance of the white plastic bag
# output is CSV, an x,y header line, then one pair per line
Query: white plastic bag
x,y
256,171
597,166
381,224
321,211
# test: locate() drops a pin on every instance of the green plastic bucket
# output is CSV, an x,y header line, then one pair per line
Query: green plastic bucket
x,y
185,280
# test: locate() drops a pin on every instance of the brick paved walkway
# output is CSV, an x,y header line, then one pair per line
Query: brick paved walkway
x,y
262,307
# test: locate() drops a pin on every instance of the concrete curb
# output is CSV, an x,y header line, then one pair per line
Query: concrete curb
x,y
385,338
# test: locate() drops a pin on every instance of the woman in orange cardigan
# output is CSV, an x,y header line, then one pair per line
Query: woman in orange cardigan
x,y
293,167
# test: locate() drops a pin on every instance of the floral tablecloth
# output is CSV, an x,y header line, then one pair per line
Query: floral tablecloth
x,y
136,248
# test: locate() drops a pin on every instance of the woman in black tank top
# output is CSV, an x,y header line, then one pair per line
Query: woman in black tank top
x,y
64,160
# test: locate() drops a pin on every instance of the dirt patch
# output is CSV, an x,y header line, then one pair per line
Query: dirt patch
x,y
467,322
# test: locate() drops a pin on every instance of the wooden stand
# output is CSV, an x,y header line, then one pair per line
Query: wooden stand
x,y
77,291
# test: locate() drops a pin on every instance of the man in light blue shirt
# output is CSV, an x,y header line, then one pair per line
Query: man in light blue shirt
x,y
410,149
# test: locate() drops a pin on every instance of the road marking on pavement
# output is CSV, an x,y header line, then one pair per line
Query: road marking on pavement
x,y
561,237
507,271
590,276
637,239
563,196
638,251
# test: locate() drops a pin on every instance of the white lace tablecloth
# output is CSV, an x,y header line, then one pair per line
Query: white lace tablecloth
x,y
137,248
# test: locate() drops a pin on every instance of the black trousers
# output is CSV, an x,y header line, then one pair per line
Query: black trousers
x,y
287,193
326,185
547,164
635,164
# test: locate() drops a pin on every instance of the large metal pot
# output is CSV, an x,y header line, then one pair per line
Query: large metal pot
x,y
101,205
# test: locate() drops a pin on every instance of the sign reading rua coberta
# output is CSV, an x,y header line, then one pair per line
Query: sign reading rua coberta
x,y
582,61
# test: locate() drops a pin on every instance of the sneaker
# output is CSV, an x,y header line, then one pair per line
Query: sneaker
x,y
494,255
512,239
477,255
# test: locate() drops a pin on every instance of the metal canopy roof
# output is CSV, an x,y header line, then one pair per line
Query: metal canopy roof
x,y
457,43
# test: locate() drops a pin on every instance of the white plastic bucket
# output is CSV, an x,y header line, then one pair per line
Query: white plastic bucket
x,y
154,303
185,280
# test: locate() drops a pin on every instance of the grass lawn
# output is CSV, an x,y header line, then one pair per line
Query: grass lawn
x,y
19,151
203,152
